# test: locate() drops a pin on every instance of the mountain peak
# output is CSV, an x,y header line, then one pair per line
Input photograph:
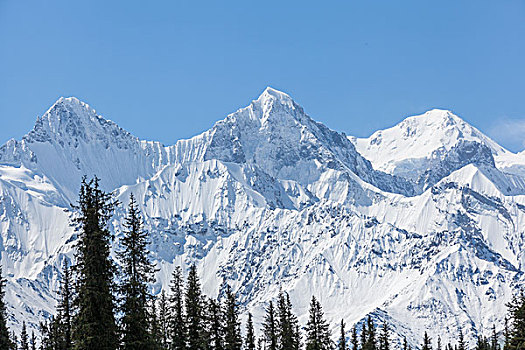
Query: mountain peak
x,y
271,96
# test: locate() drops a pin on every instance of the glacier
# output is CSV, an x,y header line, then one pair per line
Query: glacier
x,y
420,225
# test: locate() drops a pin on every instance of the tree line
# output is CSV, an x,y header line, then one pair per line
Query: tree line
x,y
96,313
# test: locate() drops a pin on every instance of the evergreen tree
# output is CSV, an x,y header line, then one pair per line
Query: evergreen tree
x,y
137,273
5,340
482,343
384,339
438,346
154,341
287,324
24,340
355,342
427,345
250,334
215,325
33,340
405,343
364,336
342,337
270,329
506,334
494,339
177,324
370,343
232,333
194,311
65,310
317,331
14,341
94,324
461,340
163,320
517,317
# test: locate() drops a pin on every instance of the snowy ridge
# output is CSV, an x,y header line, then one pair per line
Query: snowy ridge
x,y
269,199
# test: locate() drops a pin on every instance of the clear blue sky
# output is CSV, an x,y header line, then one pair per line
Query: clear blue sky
x,y
167,70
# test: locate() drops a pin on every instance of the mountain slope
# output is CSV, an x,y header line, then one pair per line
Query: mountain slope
x,y
268,200
428,147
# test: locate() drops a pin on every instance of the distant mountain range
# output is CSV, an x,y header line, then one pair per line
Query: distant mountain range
x,y
421,224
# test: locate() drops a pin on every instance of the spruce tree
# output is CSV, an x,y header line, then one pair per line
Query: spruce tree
x,y
270,329
24,340
250,334
405,343
94,326
494,339
506,334
355,342
137,273
154,342
384,338
33,340
317,331
14,341
370,343
287,324
177,324
427,345
64,316
5,340
364,336
342,337
438,345
517,317
194,311
232,333
461,340
215,325
163,319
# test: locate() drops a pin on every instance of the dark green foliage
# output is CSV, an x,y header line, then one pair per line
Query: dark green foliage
x,y
405,343
482,344
24,340
154,340
427,345
33,341
288,336
461,340
342,337
384,338
250,334
317,331
232,332
215,325
177,326
354,341
364,336
494,339
194,311
163,320
65,310
94,326
270,329
5,340
517,318
370,335
506,334
137,273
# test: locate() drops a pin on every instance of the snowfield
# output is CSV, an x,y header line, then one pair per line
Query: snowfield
x,y
420,225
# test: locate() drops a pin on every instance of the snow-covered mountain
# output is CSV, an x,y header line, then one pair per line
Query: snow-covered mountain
x,y
421,225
